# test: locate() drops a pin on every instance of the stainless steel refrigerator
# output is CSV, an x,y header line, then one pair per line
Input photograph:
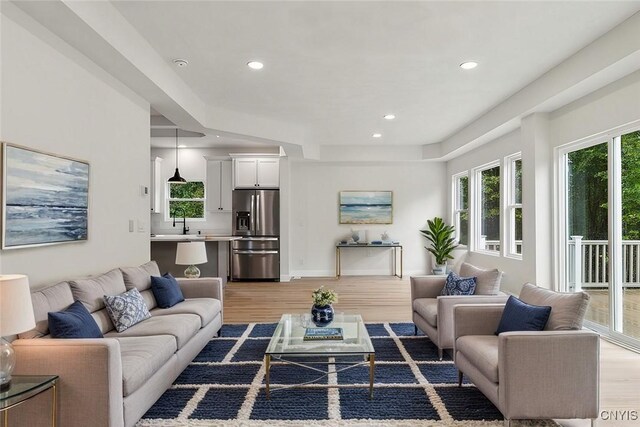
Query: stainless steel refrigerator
x,y
256,217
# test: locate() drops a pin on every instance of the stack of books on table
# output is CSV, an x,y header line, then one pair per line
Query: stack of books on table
x,y
318,334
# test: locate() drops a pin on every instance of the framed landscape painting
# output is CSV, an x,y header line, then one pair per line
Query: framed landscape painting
x,y
366,207
45,198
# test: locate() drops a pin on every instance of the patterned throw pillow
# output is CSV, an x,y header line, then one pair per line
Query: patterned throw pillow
x,y
126,309
456,285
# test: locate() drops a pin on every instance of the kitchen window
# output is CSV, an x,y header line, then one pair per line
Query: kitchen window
x,y
186,200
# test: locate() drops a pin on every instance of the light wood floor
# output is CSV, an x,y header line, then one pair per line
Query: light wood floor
x,y
387,299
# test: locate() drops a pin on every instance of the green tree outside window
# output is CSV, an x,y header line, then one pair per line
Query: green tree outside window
x,y
188,197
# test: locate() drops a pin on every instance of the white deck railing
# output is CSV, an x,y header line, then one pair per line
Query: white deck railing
x,y
591,268
593,257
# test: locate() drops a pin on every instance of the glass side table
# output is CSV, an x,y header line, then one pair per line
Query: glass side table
x,y
23,388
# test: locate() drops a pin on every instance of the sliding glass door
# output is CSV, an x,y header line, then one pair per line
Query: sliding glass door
x,y
630,194
587,227
600,223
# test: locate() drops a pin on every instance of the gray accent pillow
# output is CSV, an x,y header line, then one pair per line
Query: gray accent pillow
x,y
567,308
126,309
90,291
54,298
487,281
140,277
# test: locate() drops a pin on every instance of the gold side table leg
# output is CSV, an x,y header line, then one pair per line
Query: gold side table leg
x,y
372,368
338,266
267,362
395,263
5,418
54,403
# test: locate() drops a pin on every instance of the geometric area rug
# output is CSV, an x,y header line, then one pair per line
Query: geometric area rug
x,y
224,386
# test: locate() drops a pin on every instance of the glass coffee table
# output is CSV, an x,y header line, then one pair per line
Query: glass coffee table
x,y
288,346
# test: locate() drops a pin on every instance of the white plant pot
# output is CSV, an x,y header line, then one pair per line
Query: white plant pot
x,y
440,269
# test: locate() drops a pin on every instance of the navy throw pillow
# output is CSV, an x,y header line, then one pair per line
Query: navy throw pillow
x,y
456,285
74,322
520,316
166,290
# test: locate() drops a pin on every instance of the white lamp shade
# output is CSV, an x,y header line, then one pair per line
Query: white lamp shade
x,y
16,309
191,253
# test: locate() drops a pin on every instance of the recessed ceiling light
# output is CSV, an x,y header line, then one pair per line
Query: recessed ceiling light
x,y
217,136
377,135
255,65
469,65
389,116
182,146
181,62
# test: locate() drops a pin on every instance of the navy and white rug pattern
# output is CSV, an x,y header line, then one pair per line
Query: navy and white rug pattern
x,y
224,385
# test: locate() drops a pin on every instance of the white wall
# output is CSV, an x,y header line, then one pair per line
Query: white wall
x,y
55,100
614,105
419,193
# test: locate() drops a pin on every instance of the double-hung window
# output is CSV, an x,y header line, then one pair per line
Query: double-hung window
x,y
461,207
513,225
487,208
186,200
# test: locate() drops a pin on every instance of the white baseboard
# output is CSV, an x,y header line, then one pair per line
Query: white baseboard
x,y
345,272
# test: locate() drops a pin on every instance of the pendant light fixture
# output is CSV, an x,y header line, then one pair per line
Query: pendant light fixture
x,y
176,178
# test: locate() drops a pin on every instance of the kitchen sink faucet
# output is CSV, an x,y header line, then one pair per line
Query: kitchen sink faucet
x,y
185,229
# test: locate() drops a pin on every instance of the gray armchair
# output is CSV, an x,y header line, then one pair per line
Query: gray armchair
x,y
433,313
531,375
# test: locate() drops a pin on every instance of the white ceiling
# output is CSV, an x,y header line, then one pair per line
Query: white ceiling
x,y
335,68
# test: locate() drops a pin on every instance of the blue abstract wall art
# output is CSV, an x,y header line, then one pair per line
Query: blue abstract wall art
x,y
366,207
45,198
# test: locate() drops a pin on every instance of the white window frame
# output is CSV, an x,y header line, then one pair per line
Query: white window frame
x,y
509,192
456,209
169,199
478,245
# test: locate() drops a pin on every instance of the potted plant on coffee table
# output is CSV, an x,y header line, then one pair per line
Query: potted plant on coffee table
x,y
442,241
322,310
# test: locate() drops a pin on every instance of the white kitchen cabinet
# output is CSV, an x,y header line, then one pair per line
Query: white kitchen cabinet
x,y
156,185
252,172
219,185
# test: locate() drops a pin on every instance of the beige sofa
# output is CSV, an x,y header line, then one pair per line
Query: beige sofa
x,y
552,373
113,381
433,313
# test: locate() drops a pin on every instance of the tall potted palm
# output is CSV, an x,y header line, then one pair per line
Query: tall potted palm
x,y
442,241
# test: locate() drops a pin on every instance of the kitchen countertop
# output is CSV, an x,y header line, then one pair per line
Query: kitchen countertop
x,y
192,237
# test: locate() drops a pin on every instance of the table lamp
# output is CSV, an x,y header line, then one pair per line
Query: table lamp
x,y
191,253
16,316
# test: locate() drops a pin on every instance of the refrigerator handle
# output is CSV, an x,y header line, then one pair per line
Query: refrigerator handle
x,y
253,216
258,211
